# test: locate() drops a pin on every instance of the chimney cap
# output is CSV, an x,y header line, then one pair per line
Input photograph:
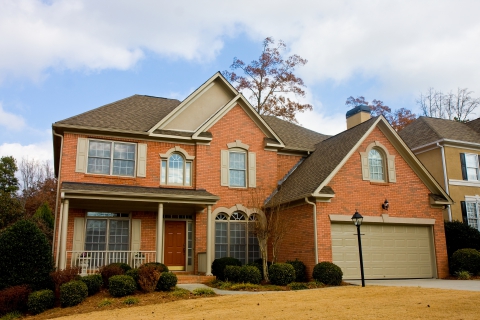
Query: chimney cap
x,y
357,109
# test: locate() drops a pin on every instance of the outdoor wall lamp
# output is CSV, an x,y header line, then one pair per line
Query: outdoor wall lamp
x,y
385,205
357,221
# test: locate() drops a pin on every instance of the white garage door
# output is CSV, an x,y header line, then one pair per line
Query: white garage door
x,y
389,251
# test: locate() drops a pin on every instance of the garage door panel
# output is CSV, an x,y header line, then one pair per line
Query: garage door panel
x,y
389,251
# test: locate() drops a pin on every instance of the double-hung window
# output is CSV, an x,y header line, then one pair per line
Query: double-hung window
x,y
112,158
376,165
470,167
238,166
237,169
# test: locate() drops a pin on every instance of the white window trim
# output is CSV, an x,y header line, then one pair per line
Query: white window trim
x,y
250,165
388,163
475,199
107,230
165,157
112,143
477,167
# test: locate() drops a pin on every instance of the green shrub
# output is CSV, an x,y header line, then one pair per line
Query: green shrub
x,y
148,277
14,299
73,293
60,277
109,271
465,260
40,301
300,270
463,275
460,236
121,286
218,266
94,283
298,286
232,273
259,264
167,281
44,213
11,316
133,273
281,274
180,293
328,273
159,266
26,256
203,292
250,274
131,301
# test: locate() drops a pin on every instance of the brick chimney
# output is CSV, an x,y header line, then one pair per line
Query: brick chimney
x,y
357,115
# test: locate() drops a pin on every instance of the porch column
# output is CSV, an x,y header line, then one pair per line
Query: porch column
x,y
63,236
159,248
209,240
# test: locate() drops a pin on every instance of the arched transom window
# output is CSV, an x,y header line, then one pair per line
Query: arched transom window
x,y
235,237
176,168
376,165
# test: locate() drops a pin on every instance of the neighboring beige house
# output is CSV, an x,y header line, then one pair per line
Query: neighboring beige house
x,y
450,151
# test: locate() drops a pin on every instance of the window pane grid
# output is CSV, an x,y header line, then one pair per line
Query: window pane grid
x,y
472,214
375,164
175,169
237,169
101,159
471,161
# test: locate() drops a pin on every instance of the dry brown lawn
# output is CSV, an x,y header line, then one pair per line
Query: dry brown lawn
x,y
346,302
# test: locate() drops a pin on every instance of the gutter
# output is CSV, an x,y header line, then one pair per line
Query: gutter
x,y
56,200
445,179
314,227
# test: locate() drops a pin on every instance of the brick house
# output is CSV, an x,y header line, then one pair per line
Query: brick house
x,y
153,179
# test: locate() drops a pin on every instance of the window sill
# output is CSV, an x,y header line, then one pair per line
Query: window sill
x,y
379,183
99,175
173,186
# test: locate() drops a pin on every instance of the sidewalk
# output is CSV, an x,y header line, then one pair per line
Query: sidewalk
x,y
467,285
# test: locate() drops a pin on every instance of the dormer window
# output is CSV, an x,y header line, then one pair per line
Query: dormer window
x,y
176,167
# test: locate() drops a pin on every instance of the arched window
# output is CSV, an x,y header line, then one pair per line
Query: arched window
x,y
235,237
376,165
176,167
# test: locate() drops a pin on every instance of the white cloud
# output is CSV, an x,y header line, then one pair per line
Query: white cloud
x,y
10,120
407,45
41,151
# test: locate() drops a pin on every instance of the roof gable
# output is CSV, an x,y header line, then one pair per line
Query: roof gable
x,y
311,178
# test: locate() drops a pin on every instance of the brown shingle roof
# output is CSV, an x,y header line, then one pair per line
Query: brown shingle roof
x,y
426,130
474,124
136,113
77,186
293,136
318,166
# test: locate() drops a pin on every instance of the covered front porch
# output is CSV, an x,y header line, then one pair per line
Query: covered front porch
x,y
102,224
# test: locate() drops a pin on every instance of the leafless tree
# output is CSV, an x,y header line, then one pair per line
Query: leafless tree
x,y
35,177
453,106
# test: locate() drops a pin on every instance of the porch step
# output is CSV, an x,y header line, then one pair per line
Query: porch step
x,y
191,278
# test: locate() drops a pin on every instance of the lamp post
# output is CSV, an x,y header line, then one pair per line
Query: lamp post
x,y
357,221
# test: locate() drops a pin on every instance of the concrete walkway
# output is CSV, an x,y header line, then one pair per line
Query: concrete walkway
x,y
468,285
193,286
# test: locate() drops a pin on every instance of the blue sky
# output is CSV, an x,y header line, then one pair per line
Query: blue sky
x,y
60,58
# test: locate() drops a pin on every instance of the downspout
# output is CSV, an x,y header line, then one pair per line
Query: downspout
x,y
314,227
445,179
56,201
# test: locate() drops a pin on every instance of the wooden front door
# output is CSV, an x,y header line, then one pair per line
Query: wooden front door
x,y
174,256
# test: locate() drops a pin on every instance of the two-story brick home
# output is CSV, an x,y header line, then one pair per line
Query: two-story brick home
x,y
153,179
450,151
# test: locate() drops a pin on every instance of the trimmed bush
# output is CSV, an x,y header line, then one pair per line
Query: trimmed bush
x,y
281,274
94,283
460,236
148,278
14,299
465,260
159,266
218,266
300,270
40,301
328,273
73,293
109,271
259,264
167,281
133,273
125,267
250,274
63,276
26,256
121,286
232,273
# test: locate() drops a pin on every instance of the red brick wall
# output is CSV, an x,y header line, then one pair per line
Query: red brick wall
x,y
285,163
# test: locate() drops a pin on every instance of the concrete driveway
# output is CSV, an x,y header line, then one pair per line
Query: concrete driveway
x,y
468,285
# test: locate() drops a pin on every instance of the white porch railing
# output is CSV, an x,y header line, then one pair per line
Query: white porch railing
x,y
91,261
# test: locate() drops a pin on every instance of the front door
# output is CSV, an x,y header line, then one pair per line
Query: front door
x,y
175,245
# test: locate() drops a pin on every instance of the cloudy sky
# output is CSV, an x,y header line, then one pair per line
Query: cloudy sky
x,y
59,58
